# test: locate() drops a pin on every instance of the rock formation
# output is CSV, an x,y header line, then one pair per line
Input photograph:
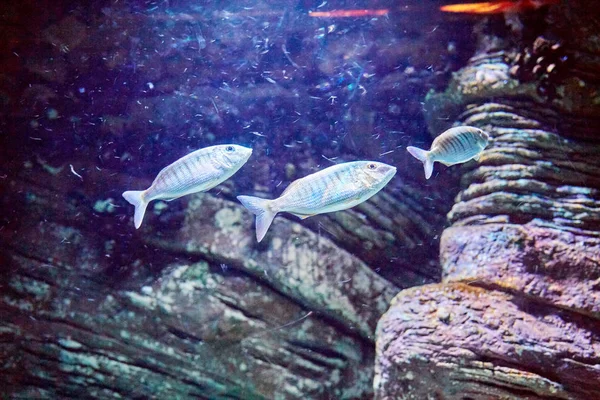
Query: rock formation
x,y
517,313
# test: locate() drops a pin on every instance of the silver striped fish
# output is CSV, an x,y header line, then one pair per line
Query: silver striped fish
x,y
198,171
336,188
454,146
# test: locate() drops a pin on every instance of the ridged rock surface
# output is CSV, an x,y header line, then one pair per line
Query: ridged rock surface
x,y
87,309
456,341
517,315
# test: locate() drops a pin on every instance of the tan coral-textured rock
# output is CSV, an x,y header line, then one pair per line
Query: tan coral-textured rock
x,y
524,234
549,264
455,341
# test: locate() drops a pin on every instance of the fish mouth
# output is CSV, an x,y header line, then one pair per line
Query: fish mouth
x,y
390,172
247,152
393,171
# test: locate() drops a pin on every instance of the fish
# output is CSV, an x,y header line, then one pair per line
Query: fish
x,y
198,171
349,13
335,188
454,146
497,7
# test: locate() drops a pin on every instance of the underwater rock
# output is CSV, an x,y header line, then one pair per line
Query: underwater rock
x,y
191,305
456,341
517,313
87,311
383,230
295,261
552,265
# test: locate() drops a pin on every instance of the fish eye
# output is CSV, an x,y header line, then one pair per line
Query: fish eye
x,y
229,149
371,166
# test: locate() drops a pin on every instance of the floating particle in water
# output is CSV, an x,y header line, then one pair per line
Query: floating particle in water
x,y
74,172
394,109
52,113
290,171
105,206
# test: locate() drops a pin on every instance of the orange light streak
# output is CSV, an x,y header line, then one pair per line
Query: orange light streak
x,y
348,13
496,7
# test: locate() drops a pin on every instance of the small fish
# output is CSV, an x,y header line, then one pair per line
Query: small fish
x,y
335,188
497,7
349,13
454,146
198,171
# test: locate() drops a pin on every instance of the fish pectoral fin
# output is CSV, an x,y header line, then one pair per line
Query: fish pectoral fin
x,y
477,157
302,216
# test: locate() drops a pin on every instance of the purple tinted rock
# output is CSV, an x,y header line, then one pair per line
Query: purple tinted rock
x,y
455,341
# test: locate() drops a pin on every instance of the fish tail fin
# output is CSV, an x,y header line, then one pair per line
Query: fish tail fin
x,y
136,197
423,156
264,215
